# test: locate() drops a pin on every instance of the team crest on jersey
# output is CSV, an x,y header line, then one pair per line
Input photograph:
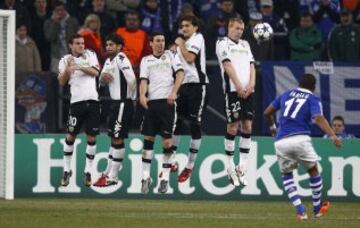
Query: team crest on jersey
x,y
71,129
163,57
224,53
121,58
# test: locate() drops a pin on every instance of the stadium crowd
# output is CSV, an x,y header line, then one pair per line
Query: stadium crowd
x,y
303,30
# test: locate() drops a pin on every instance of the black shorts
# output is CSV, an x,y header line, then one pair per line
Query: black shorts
x,y
120,118
159,118
237,108
84,112
192,101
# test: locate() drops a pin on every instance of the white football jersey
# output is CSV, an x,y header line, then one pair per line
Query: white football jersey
x,y
160,73
196,71
82,85
124,84
240,55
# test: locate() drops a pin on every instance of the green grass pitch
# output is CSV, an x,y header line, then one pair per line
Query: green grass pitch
x,y
43,212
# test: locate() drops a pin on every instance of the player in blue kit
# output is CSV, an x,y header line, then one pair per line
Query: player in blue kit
x,y
298,109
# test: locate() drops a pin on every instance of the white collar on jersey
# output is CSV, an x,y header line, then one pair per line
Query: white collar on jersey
x,y
304,90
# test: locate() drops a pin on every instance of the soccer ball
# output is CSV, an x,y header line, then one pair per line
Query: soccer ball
x,y
263,32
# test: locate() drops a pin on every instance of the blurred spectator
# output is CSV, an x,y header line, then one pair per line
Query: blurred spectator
x,y
260,50
205,8
108,24
280,39
151,14
22,14
171,10
27,54
344,40
187,9
38,17
119,9
77,8
289,11
305,40
241,7
338,125
92,36
217,26
136,40
325,13
58,29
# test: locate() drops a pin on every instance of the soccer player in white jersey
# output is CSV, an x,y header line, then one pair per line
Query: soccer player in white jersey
x,y
118,74
298,108
80,69
238,74
192,95
161,75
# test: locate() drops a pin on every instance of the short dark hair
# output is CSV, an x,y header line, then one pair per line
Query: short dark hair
x,y
73,37
340,118
190,18
222,1
306,14
115,38
58,3
132,12
308,81
152,35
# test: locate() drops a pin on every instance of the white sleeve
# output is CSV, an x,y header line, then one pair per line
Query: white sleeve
x,y
250,55
124,65
143,70
222,51
195,43
62,65
175,61
93,61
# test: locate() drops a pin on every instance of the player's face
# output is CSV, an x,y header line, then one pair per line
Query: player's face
x,y
236,30
78,46
338,126
158,44
112,48
188,29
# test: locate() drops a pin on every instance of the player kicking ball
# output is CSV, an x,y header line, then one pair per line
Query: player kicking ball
x,y
298,107
158,91
118,74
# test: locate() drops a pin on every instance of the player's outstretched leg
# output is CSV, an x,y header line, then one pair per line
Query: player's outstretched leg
x,y
291,190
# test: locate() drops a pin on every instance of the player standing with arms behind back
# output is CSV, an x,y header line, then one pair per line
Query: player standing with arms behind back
x,y
193,94
161,75
298,108
79,69
238,72
118,74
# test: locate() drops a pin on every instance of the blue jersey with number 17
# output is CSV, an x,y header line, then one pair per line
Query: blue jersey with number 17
x,y
297,109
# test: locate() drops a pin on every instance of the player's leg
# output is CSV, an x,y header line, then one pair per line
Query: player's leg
x,y
308,158
196,102
146,163
117,159
92,122
232,110
247,114
285,150
74,124
167,122
68,152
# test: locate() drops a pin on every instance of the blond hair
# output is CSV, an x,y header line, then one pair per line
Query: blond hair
x,y
90,18
233,20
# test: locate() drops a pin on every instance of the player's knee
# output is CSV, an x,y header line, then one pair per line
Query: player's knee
x,y
117,141
167,143
70,139
246,127
232,129
91,138
313,171
195,130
